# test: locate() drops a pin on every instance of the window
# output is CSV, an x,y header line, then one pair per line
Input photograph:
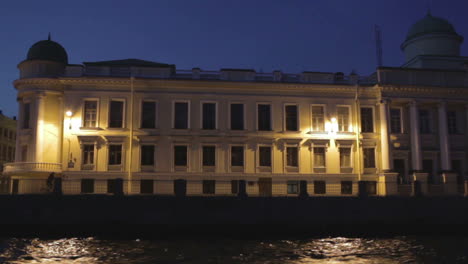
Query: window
x,y
234,186
264,117
369,157
345,157
90,113
291,117
237,156
320,187
181,115
424,122
88,154
147,155
24,153
116,114
291,156
367,120
146,186
265,156
10,154
209,116
209,155
237,116
346,187
319,157
452,122
208,187
87,185
148,114
293,187
371,187
395,120
115,154
180,155
111,185
343,118
318,117
26,114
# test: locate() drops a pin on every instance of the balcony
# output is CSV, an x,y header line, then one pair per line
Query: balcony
x,y
34,167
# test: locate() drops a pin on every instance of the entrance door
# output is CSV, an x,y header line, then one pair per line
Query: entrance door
x,y
265,187
180,187
15,187
428,167
400,167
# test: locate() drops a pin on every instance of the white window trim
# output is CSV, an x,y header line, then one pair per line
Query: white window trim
x,y
325,147
350,117
402,128
375,157
373,117
258,155
230,156
216,114
188,114
285,158
124,113
154,155
217,149
156,121
271,116
123,156
173,166
297,117
244,115
312,117
96,99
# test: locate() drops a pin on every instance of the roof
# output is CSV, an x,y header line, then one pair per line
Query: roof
x,y
430,24
47,50
130,62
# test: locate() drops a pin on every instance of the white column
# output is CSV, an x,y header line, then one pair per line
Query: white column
x,y
19,124
39,127
384,140
415,139
443,137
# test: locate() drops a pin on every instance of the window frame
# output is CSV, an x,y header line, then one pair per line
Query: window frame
x,y
401,120
216,117
259,158
83,112
24,124
372,118
324,108
314,165
124,116
174,114
292,183
286,160
364,155
257,116
285,124
156,112
202,154
122,156
141,155
350,121
244,123
230,156
88,166
430,124
187,158
350,156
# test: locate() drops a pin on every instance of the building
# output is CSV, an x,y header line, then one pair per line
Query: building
x,y
141,127
7,146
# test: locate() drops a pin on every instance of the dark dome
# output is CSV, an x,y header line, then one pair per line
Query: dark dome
x,y
47,50
430,24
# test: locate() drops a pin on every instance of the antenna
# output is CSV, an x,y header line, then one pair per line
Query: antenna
x,y
378,45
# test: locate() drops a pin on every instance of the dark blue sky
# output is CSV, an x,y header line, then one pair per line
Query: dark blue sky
x,y
290,35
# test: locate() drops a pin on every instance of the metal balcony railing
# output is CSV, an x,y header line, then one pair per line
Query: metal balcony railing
x,y
17,167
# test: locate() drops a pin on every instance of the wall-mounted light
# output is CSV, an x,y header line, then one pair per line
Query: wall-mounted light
x,y
332,126
69,114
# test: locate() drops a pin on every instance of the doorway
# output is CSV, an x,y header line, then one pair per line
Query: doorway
x,y
265,187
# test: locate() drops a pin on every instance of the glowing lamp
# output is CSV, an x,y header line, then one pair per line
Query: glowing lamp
x,y
69,113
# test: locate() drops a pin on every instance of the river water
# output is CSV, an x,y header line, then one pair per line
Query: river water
x,y
401,249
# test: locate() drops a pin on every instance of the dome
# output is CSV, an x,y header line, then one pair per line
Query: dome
x,y
48,50
430,24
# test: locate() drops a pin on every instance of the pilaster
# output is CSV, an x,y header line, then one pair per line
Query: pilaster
x,y
416,155
384,139
443,137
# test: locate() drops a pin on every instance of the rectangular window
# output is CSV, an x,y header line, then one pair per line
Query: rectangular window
x,y
209,155
452,122
346,187
265,156
147,155
318,117
209,186
24,153
342,118
424,122
264,117
234,186
291,117
291,156
237,116
87,185
320,187
293,187
180,155
111,185
237,156
209,116
148,115
116,114
88,154
181,115
115,154
146,186
90,113
367,120
345,157
26,114
395,121
369,157
319,157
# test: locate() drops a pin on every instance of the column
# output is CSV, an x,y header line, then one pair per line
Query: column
x,y
384,140
416,155
19,124
443,137
39,127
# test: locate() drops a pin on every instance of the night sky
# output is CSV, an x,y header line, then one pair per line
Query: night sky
x,y
265,35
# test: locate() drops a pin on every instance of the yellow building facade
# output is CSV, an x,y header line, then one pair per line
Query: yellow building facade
x,y
138,127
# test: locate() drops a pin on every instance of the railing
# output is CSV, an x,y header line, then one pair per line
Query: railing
x,y
31,167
